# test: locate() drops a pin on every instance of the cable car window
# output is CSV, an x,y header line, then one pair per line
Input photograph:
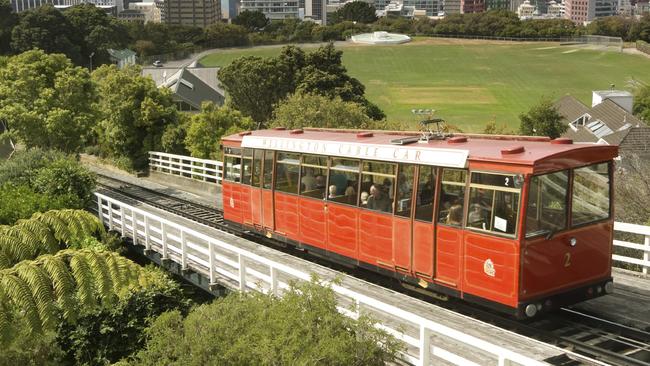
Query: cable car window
x,y
268,169
257,167
591,186
247,166
405,180
232,164
547,203
494,202
378,185
426,192
313,176
452,197
287,172
343,181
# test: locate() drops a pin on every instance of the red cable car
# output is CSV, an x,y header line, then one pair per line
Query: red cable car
x,y
520,224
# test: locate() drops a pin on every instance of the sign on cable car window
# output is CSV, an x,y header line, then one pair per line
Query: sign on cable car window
x,y
494,202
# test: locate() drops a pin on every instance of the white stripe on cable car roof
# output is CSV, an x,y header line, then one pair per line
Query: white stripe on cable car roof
x,y
452,158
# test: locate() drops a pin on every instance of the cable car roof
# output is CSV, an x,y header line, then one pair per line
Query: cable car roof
x,y
456,151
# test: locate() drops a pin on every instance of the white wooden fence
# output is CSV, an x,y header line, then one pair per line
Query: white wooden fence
x,y
643,250
235,267
205,170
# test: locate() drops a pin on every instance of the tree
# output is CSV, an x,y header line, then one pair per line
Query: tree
x,y
642,103
356,11
94,32
8,19
303,327
47,29
255,85
542,119
66,177
310,110
206,129
254,21
134,114
225,35
46,101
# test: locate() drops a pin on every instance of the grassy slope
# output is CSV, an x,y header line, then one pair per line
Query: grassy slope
x,y
470,84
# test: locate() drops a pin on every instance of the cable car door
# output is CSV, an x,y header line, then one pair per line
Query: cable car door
x,y
423,258
267,190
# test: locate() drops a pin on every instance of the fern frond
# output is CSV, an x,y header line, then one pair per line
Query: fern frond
x,y
20,244
58,226
5,260
5,321
19,294
101,273
63,283
49,244
83,275
117,275
41,287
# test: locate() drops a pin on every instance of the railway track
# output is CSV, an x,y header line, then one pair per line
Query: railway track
x,y
599,340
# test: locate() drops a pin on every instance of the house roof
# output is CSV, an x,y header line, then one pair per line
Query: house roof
x,y
121,54
192,85
606,122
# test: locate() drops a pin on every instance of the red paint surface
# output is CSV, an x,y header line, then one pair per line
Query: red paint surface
x,y
423,253
267,209
402,243
342,229
448,254
286,214
376,238
545,269
313,223
503,253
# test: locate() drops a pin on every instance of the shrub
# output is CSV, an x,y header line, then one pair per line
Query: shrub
x,y
21,201
66,177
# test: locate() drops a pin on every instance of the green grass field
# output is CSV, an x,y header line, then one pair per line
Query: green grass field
x,y
470,83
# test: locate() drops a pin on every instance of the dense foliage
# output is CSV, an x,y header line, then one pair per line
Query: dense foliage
x,y
310,110
134,115
46,101
205,129
255,85
251,20
642,103
542,119
355,11
109,334
303,327
37,181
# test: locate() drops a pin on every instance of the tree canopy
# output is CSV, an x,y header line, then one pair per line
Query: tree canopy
x,y
311,110
47,101
303,327
542,119
134,114
251,20
207,127
355,11
642,103
255,85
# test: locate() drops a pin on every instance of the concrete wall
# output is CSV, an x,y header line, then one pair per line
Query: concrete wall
x,y
197,187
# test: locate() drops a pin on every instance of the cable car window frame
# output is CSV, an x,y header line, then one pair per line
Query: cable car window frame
x,y
367,170
440,220
247,166
228,174
314,193
609,194
436,172
540,207
345,169
508,180
293,164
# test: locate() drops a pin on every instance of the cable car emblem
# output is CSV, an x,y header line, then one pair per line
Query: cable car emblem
x,y
488,268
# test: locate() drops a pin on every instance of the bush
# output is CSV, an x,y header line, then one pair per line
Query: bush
x,y
66,177
21,202
23,166
106,336
303,327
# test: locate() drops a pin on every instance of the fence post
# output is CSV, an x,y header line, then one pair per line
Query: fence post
x,y
425,346
646,253
242,272
134,227
147,240
110,215
183,251
274,281
100,210
122,220
211,262
163,238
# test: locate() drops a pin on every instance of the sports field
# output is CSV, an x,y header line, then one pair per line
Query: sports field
x,y
470,83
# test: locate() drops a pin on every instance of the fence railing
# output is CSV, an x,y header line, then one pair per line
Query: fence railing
x,y
642,260
211,171
205,170
237,268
